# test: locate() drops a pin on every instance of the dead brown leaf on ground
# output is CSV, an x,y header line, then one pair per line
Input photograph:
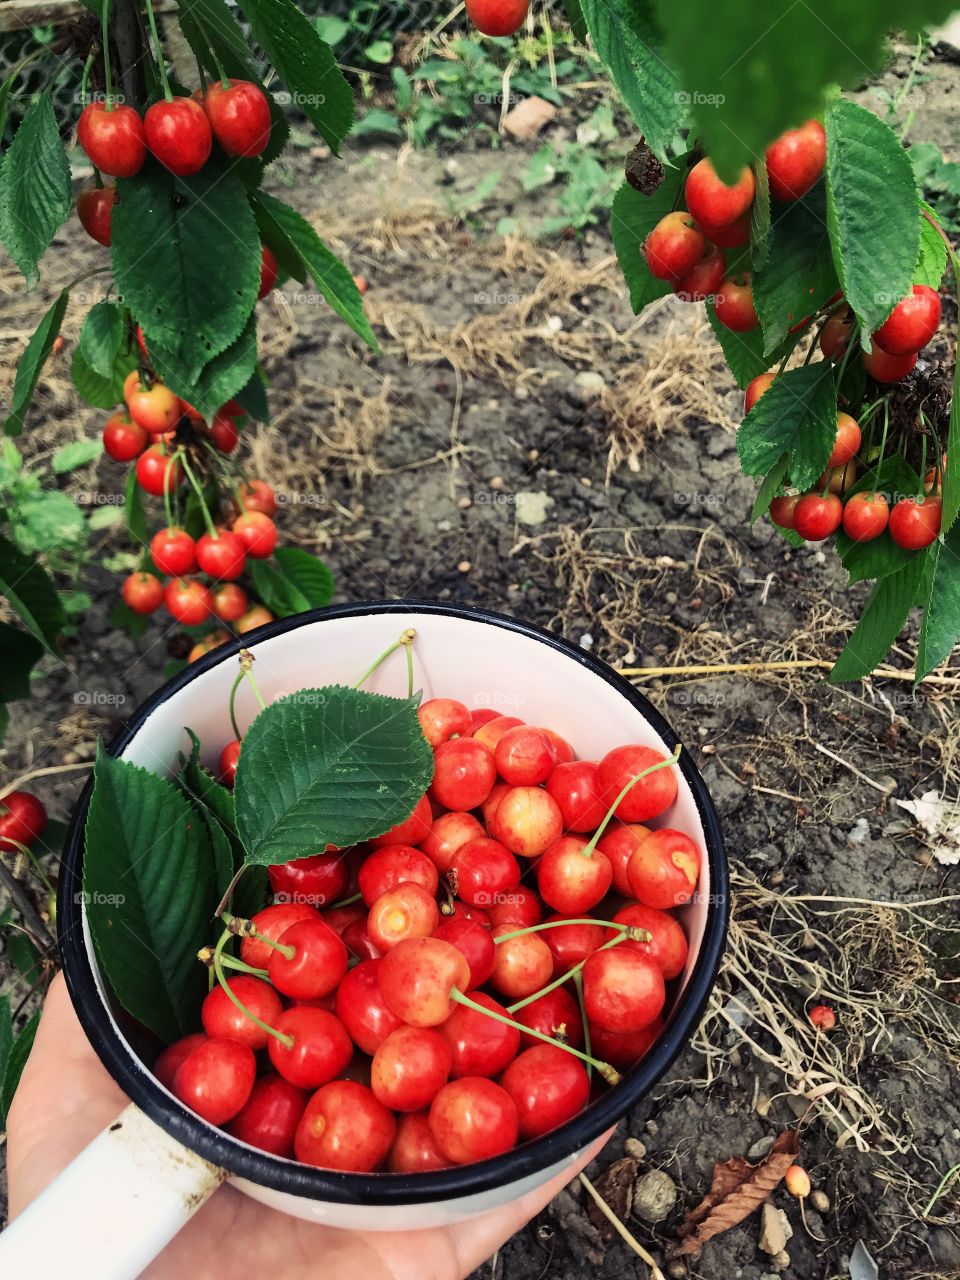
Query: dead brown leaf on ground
x,y
616,1186
737,1189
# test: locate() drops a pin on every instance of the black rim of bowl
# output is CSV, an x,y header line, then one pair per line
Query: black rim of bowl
x,y
394,1188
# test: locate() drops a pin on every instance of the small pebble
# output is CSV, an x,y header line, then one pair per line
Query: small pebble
x,y
464,502
781,1260
444,526
464,566
496,483
533,455
676,1270
820,1201
586,481
654,1196
761,1148
634,1148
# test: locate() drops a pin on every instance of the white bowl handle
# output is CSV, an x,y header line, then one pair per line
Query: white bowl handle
x,y
112,1210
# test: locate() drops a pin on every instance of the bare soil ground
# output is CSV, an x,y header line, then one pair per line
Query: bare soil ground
x,y
471,460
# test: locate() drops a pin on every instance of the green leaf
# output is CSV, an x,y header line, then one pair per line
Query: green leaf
x,y
632,217
31,595
875,559
626,36
217,23
17,1057
101,336
743,352
291,236
253,397
218,381
306,66
35,191
101,392
186,257
881,622
19,654
872,206
133,509
769,488
940,627
275,590
760,219
933,252
797,415
123,618
149,890
753,73
575,17
328,766
799,275
31,362
311,577
78,453
49,519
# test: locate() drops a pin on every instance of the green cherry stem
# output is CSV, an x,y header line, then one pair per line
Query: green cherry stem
x,y
105,42
286,1041
671,760
233,708
151,19
578,983
247,929
406,639
345,902
198,490
629,931
609,1073
571,973
246,667
231,962
34,861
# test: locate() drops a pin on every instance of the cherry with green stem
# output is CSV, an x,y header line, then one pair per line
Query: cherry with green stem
x,y
623,933
218,969
634,934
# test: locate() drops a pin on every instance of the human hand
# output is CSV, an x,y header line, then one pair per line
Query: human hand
x,y
66,1097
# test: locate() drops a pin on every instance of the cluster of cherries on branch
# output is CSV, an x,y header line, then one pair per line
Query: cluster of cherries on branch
x,y
686,248
464,982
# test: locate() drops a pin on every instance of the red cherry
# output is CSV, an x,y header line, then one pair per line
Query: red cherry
x,y
345,1127
524,756
835,334
169,1059
187,600
549,1087
886,368
822,1017
228,762
216,1079
647,798
482,716
555,1014
491,731
416,979
527,821
622,990
222,1019
358,941
576,788
409,1068
258,496
484,870
221,556
668,943
361,1008
123,440
464,774
229,602
269,1119
223,433
865,516
731,236
522,965
734,303
783,510
443,718
624,1048
271,922
239,117
393,865
321,1047
268,273
414,1150
475,942
915,522
816,517
570,880
571,943
447,834
473,1119
320,879
911,324
178,133
481,1046
561,747
492,802
173,551
674,246
412,830
755,389
142,592
95,211
714,203
618,843
22,818
847,443
157,471
497,17
257,534
703,280
406,912
317,965
795,160
113,138
664,869
520,907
